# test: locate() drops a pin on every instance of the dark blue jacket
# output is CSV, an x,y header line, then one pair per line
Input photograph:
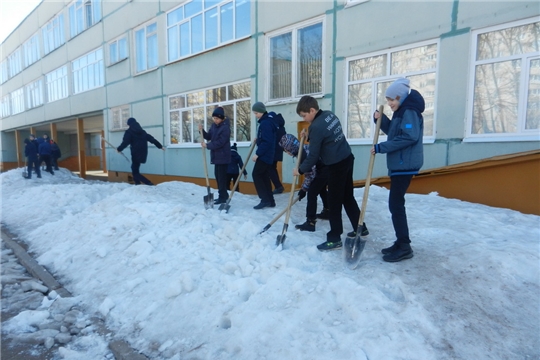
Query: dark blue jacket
x,y
266,139
55,151
44,147
220,143
236,164
279,122
30,150
137,138
404,147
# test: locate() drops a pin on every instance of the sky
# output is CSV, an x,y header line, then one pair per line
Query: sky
x,y
12,13
180,281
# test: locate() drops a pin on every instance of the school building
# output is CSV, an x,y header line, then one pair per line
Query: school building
x,y
77,70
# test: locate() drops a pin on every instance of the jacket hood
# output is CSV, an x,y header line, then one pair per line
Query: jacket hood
x,y
135,127
27,141
414,101
290,143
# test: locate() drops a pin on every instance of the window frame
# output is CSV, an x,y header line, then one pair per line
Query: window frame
x,y
15,58
527,58
63,81
53,28
74,76
4,69
135,47
95,12
5,106
389,77
123,121
293,29
20,101
32,90
117,42
31,50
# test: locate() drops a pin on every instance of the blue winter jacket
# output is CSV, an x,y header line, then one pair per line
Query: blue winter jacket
x,y
220,143
236,164
30,150
404,147
44,147
137,138
279,122
266,138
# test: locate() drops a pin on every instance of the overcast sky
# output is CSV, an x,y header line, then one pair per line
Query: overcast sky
x,y
12,12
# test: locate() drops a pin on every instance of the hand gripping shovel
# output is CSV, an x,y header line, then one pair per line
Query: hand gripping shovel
x,y
355,245
277,217
209,198
226,205
281,238
114,147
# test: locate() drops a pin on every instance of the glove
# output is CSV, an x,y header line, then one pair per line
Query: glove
x,y
301,195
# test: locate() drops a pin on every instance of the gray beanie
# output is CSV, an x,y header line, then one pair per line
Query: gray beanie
x,y
259,107
400,88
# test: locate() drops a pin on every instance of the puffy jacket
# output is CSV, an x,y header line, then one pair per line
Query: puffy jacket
x,y
290,143
30,150
236,163
55,151
220,142
137,139
266,139
279,122
44,147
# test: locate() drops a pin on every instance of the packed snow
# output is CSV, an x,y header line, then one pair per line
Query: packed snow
x,y
178,281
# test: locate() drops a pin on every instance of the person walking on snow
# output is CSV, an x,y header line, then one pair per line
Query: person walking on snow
x,y
404,157
233,170
137,140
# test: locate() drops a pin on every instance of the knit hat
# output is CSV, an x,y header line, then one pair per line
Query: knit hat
x,y
400,88
290,143
219,112
131,121
259,107
233,147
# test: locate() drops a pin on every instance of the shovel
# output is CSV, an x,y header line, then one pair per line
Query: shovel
x,y
114,147
209,198
25,172
354,246
226,205
277,217
281,238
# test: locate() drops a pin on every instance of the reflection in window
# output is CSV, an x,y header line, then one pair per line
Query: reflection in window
x,y
17,101
53,34
57,84
88,71
146,49
118,50
34,94
83,14
187,111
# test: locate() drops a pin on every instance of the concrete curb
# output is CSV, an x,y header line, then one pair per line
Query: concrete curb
x,y
120,348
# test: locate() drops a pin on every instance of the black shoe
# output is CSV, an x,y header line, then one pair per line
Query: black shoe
x,y
278,190
27,177
403,252
324,214
262,205
219,201
39,177
390,249
272,204
365,232
309,225
329,245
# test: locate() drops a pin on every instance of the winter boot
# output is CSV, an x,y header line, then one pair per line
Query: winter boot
x,y
330,245
390,249
404,251
309,225
365,232
324,214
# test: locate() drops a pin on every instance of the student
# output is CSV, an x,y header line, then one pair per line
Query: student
x,y
264,156
219,137
31,153
327,142
404,158
55,154
45,152
137,139
314,183
279,122
233,171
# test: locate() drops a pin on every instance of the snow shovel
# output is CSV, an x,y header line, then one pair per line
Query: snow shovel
x,y
25,172
354,246
209,198
114,147
281,238
277,217
226,205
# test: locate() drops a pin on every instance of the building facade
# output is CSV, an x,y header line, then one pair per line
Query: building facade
x,y
79,69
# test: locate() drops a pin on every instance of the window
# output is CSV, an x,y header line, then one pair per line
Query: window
x,y
83,14
88,71
146,48
14,60
187,111
34,94
505,86
31,50
119,116
57,84
195,27
17,101
118,50
369,76
53,34
296,62
5,110
4,74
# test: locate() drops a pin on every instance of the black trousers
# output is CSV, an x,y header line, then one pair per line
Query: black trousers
x,y
33,164
47,160
261,180
396,204
274,176
220,173
340,194
138,178
231,180
316,188
54,163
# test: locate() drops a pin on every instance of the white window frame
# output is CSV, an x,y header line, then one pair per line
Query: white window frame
x,y
82,71
53,34
119,116
15,62
4,74
31,50
147,36
386,78
34,94
522,134
17,101
294,30
56,83
116,52
83,14
5,106
350,3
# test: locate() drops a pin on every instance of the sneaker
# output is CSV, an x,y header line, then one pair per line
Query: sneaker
x,y
309,225
365,232
324,214
403,252
329,245
278,190
390,249
216,202
262,205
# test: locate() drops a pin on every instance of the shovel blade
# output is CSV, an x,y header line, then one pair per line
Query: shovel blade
x,y
280,239
225,207
352,249
208,201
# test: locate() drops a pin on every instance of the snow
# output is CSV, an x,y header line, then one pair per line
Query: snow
x,y
177,281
